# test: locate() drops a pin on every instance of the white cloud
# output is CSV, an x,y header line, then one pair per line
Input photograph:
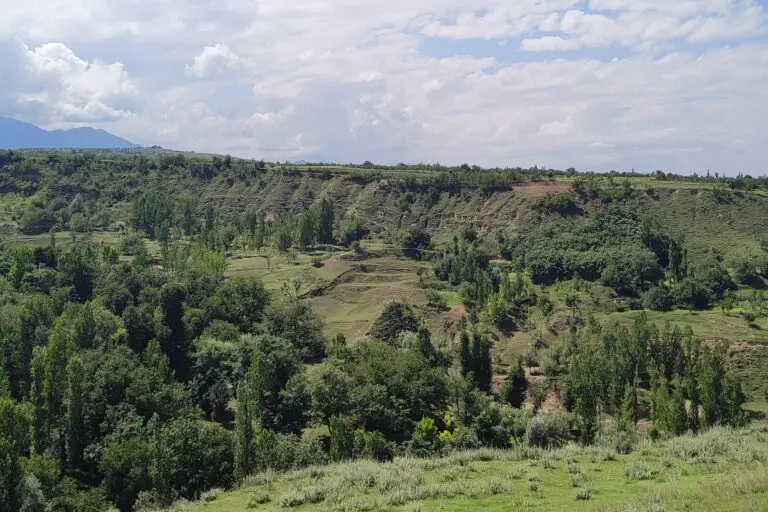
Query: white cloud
x,y
214,60
51,84
676,84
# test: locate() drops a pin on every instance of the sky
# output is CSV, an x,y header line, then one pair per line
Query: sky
x,y
678,85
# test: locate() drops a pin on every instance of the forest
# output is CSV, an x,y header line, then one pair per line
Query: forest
x,y
137,371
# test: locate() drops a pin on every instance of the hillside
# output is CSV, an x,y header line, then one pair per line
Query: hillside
x,y
173,323
721,471
19,135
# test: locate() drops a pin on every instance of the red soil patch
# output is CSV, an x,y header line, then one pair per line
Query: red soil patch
x,y
451,324
543,188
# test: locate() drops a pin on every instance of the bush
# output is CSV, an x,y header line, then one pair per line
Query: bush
x,y
584,494
317,262
258,498
425,441
548,431
396,318
746,273
435,300
353,231
132,244
414,241
639,470
659,298
693,294
36,221
373,446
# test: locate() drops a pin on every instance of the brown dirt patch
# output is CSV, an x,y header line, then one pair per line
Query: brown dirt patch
x,y
542,188
451,324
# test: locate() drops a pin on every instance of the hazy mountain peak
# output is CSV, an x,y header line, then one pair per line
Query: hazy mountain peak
x,y
20,135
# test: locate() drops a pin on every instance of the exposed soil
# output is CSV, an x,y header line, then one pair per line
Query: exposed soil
x,y
542,188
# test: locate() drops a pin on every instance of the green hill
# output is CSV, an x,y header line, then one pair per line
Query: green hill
x,y
172,323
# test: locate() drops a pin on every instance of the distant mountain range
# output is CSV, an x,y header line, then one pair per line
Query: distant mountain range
x,y
19,135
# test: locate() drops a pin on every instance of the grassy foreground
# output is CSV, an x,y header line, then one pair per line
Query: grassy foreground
x,y
720,470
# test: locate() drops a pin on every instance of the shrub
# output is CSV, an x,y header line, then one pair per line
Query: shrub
x,y
584,494
414,241
317,262
396,318
353,231
132,244
426,439
374,446
658,298
258,498
312,495
548,431
638,470
693,294
435,300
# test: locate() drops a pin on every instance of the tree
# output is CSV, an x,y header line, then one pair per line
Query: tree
x,y
677,256
244,416
538,391
632,272
426,440
239,301
465,353
306,235
78,264
186,214
354,230
693,294
170,328
110,255
586,390
426,349
41,438
414,241
160,462
5,388
293,319
23,258
628,410
325,221
516,385
14,444
61,346
482,367
677,416
342,439
330,390
75,426
660,403
273,362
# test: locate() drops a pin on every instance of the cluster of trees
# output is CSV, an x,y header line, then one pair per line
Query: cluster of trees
x,y
118,381
116,378
495,292
132,384
685,382
168,220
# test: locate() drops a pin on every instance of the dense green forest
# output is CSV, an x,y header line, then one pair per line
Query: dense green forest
x,y
136,371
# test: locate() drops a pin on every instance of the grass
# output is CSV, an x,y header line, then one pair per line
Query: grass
x,y
722,469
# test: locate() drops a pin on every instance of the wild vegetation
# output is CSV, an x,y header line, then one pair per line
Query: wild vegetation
x,y
171,325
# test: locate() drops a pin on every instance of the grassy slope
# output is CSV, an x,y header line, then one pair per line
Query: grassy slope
x,y
722,470
689,209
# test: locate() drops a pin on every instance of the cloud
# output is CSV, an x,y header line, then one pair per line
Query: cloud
x,y
586,83
51,84
213,60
